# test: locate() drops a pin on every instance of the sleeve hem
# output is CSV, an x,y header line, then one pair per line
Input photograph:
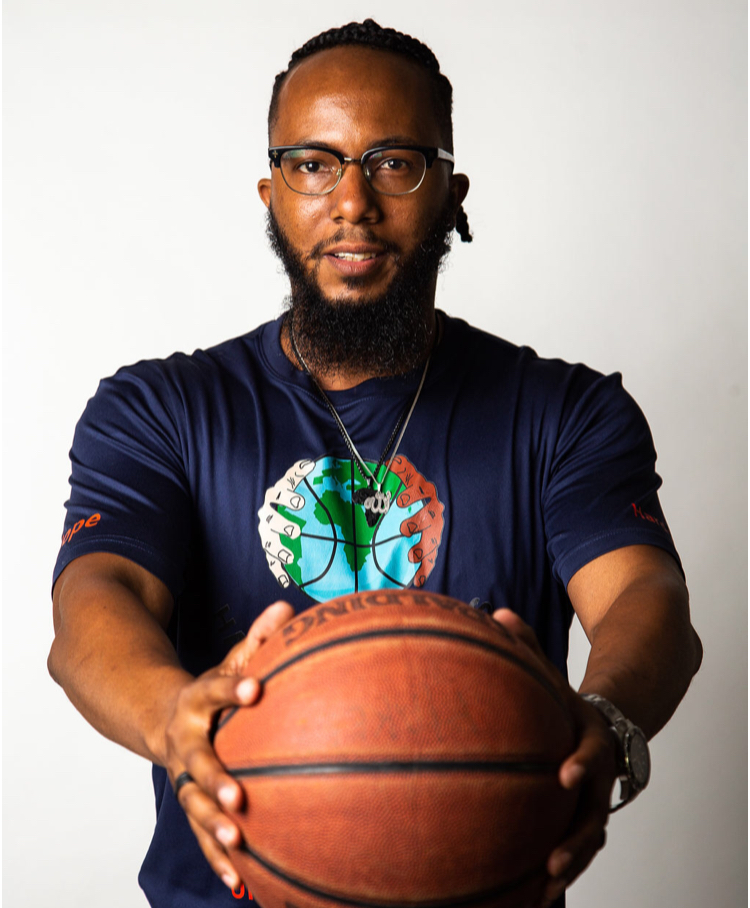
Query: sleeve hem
x,y
133,549
566,567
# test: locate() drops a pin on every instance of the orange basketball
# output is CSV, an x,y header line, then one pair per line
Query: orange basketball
x,y
404,752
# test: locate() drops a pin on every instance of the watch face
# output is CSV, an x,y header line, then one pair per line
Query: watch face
x,y
638,760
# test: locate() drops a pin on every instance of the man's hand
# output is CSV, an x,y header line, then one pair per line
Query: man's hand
x,y
591,769
188,746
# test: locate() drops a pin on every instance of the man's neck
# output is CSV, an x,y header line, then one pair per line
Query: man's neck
x,y
341,379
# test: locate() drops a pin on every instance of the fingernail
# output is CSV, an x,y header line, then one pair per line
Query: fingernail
x,y
231,881
246,689
285,556
225,836
227,796
289,530
296,502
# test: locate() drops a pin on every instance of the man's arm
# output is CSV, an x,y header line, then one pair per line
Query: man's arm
x,y
113,658
633,606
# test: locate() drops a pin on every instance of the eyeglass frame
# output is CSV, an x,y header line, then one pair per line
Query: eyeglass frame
x,y
428,152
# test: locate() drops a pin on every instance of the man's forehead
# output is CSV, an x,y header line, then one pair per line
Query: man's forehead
x,y
355,62
393,92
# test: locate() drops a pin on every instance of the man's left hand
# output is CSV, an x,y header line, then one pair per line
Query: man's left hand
x,y
591,768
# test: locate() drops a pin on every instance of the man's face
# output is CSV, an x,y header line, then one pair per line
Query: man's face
x,y
353,99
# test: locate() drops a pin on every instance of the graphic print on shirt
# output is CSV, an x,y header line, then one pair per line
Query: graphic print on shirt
x,y
323,530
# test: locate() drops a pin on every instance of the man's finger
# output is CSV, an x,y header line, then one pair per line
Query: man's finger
x,y
595,752
268,622
519,628
569,861
201,809
216,856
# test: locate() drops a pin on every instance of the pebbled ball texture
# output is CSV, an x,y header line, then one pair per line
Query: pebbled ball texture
x,y
404,752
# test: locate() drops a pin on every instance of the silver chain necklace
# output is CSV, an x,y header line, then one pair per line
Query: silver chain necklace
x,y
375,502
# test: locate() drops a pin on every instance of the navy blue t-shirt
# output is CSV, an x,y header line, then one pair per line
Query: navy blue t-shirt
x,y
224,474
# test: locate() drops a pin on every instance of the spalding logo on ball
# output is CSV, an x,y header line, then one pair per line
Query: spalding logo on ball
x,y
326,531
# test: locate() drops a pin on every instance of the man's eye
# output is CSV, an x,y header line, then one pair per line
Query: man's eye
x,y
394,165
312,166
306,163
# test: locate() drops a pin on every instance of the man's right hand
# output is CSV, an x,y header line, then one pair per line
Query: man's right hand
x,y
189,749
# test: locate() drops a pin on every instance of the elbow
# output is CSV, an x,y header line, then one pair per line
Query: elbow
x,y
698,652
53,666
58,662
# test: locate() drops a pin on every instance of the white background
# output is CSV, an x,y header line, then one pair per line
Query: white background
x,y
606,144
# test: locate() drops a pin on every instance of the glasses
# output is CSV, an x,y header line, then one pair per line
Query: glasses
x,y
395,170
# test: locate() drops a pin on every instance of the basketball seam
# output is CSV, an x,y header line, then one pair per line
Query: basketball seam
x,y
397,766
458,902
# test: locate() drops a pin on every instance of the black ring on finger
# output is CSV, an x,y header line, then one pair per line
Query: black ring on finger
x,y
181,781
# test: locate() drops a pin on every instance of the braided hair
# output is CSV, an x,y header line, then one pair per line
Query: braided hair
x,y
370,34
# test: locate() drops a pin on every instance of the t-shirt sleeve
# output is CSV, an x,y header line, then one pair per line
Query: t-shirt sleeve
x,y
601,488
129,490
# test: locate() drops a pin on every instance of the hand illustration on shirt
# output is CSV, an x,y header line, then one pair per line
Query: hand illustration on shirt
x,y
272,525
428,521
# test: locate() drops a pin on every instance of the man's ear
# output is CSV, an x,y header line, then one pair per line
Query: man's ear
x,y
264,191
459,189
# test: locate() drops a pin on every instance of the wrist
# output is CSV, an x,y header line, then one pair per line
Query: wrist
x,y
167,692
633,758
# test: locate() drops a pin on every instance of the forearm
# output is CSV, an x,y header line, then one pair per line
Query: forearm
x,y
115,662
644,651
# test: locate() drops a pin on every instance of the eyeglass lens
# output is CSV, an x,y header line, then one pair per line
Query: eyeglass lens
x,y
389,171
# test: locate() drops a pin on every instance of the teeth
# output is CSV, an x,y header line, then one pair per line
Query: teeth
x,y
355,256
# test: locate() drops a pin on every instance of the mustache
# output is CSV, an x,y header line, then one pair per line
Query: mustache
x,y
343,236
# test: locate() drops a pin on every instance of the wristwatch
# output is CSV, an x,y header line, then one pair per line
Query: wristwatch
x,y
633,760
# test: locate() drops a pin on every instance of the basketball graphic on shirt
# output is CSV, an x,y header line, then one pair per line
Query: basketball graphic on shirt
x,y
328,534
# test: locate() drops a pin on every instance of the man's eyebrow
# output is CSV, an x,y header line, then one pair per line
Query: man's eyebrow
x,y
397,140
380,143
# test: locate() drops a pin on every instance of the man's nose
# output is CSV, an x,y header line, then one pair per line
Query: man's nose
x,y
353,199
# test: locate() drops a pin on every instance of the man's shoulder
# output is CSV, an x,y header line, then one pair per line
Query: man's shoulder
x,y
220,362
495,356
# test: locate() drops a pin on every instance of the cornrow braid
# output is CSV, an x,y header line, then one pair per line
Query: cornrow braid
x,y
462,226
370,34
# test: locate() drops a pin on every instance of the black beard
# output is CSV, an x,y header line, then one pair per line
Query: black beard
x,y
383,335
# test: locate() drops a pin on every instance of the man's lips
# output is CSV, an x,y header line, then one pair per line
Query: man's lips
x,y
355,258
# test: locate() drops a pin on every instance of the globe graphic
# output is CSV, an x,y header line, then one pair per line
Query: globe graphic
x,y
337,552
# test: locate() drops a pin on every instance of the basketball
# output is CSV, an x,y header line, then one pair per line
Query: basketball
x,y
404,752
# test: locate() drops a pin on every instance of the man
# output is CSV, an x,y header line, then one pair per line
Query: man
x,y
467,466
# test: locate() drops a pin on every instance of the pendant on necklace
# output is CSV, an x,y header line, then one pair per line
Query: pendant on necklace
x,y
375,503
